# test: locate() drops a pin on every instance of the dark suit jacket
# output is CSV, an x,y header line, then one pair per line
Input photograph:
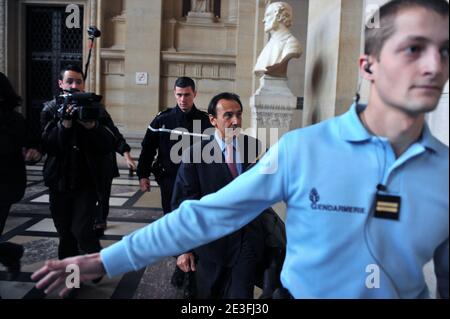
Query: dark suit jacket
x,y
197,179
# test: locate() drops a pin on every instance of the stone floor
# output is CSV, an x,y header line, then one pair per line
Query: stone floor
x,y
30,224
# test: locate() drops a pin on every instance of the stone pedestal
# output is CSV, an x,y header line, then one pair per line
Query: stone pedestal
x,y
272,107
200,17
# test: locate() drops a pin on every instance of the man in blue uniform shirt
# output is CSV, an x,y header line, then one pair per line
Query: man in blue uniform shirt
x,y
366,192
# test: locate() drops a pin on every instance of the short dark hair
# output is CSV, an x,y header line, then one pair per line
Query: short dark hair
x,y
71,67
375,38
212,108
184,82
9,99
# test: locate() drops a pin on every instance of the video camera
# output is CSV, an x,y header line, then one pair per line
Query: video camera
x,y
85,106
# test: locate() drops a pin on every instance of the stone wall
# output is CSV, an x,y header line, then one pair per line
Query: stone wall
x,y
332,54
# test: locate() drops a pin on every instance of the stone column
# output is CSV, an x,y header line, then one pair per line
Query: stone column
x,y
232,11
143,54
172,23
92,76
334,30
98,72
2,36
202,11
245,56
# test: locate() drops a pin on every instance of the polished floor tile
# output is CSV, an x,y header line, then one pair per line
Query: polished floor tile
x,y
30,224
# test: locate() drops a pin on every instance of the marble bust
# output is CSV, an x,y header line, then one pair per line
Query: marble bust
x,y
282,46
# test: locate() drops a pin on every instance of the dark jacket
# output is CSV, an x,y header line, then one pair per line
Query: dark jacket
x,y
120,144
67,150
12,166
161,143
195,180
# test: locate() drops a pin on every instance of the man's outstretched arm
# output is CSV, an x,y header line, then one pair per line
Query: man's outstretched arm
x,y
194,223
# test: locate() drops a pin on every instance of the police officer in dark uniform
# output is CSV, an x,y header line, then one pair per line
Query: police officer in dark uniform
x,y
171,132
168,135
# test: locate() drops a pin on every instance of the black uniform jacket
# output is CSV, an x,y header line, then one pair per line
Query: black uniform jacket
x,y
163,134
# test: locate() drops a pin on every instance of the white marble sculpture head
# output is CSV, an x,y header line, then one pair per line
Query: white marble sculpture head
x,y
277,13
282,45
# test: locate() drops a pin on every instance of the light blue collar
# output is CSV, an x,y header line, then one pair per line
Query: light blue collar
x,y
352,130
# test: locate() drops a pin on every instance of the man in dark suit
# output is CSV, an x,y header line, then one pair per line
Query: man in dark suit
x,y
226,268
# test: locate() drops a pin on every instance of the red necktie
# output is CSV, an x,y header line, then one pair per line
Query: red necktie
x,y
230,160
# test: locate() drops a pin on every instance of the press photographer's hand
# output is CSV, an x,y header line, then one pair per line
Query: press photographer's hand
x,y
67,116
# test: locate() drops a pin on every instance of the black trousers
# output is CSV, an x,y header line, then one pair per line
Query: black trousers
x,y
215,281
166,187
4,211
73,214
10,254
102,211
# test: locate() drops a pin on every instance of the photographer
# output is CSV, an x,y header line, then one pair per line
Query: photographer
x,y
79,162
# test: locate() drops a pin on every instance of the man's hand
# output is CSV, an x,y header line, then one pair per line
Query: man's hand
x,y
53,274
186,262
88,125
67,119
32,155
130,162
144,183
